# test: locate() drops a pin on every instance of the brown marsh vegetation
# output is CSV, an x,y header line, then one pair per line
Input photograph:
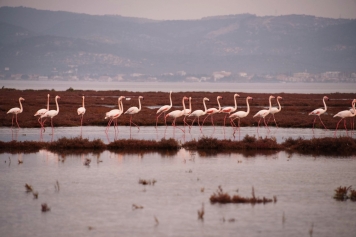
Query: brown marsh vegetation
x,y
294,114
249,145
341,193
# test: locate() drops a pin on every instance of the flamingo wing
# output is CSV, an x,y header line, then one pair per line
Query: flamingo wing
x,y
132,110
40,112
15,110
163,108
81,110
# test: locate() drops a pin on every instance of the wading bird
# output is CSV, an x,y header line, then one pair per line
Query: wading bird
x,y
42,112
187,112
263,113
319,112
275,110
228,110
113,114
177,113
212,111
52,113
81,111
15,111
134,110
240,114
345,114
198,113
164,109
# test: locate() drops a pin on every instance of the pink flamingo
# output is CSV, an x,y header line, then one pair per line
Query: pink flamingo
x,y
319,112
241,114
164,109
187,111
113,114
229,110
42,112
263,113
134,110
81,111
275,110
345,114
52,113
213,111
198,113
177,113
15,111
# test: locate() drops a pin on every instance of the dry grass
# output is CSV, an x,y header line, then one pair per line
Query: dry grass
x,y
341,193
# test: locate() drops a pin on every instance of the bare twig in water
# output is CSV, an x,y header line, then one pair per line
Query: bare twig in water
x,y
311,230
156,220
45,207
134,207
87,161
28,188
201,212
35,194
56,186
147,182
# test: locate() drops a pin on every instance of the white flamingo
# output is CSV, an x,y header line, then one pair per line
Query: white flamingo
x,y
198,113
134,110
52,113
164,109
15,111
42,112
275,110
264,112
241,114
81,111
319,112
113,114
177,113
228,110
187,111
345,114
212,111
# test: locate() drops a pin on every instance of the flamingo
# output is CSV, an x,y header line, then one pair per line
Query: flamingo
x,y
134,110
198,113
213,111
164,109
229,110
264,112
52,113
15,111
114,114
177,113
41,112
275,110
241,114
81,111
345,114
319,112
187,111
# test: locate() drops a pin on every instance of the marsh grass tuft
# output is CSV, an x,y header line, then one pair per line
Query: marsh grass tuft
x,y
221,197
134,207
28,188
45,207
147,182
132,144
201,212
341,193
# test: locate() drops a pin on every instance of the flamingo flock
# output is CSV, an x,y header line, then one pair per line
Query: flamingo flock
x,y
229,112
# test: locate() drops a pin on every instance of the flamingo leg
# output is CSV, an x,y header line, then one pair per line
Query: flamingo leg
x,y
314,123
225,119
193,122
52,126
108,126
274,120
239,127
17,122
174,125
212,120
133,123
258,124
345,127
322,123
265,124
157,118
337,125
205,119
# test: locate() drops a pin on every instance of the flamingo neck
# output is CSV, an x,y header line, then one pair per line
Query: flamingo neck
x,y
83,102
57,104
190,104
325,108
219,104
119,104
48,103
139,103
170,98
270,102
248,106
279,105
235,103
183,105
21,109
204,106
122,105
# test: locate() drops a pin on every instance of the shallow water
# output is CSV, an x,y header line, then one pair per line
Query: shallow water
x,y
151,133
101,196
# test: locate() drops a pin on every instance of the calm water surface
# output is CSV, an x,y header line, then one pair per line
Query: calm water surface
x,y
101,196
304,88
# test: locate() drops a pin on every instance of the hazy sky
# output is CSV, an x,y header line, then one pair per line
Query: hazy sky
x,y
194,9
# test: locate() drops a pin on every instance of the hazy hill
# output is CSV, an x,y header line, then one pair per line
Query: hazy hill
x,y
38,41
